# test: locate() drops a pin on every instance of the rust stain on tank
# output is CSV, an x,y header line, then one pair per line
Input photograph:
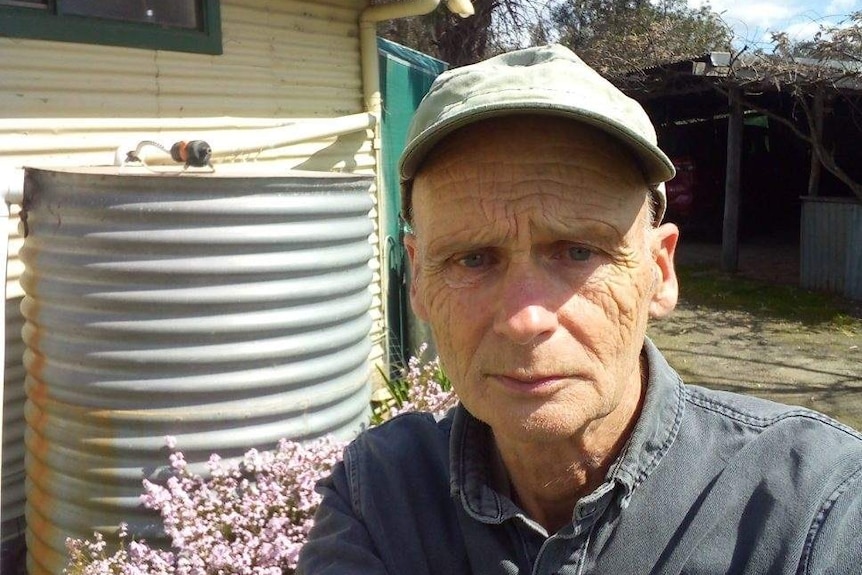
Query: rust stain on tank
x,y
39,505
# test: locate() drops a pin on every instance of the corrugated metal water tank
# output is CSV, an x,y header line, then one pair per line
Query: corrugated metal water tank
x,y
228,310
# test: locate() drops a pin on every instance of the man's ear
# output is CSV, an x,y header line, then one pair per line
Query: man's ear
x,y
666,288
416,300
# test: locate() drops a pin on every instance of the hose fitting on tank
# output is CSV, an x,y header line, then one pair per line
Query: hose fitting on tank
x,y
194,153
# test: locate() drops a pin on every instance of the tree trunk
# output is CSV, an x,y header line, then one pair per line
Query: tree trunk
x,y
817,136
462,41
730,231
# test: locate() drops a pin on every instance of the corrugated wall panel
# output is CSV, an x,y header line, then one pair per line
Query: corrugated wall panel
x,y
66,104
13,393
853,267
825,236
14,266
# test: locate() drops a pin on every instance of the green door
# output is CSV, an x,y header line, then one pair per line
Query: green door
x,y
405,76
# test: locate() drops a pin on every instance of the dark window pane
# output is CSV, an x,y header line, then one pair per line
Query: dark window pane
x,y
42,4
175,13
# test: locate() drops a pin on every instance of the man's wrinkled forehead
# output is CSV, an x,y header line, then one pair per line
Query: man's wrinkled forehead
x,y
520,162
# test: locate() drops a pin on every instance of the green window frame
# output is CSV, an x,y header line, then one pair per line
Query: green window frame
x,y
24,19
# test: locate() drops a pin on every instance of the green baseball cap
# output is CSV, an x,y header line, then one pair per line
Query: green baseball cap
x,y
547,80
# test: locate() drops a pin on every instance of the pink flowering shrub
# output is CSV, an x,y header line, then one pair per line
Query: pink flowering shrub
x,y
422,387
132,558
251,516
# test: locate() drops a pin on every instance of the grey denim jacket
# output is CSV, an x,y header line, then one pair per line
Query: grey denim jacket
x,y
708,483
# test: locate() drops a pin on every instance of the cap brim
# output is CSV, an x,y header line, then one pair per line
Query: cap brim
x,y
654,163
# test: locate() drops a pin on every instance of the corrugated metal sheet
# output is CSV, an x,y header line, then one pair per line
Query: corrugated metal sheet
x,y
12,510
227,311
829,252
853,268
13,426
65,104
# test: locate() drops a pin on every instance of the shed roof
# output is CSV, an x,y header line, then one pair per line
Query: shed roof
x,y
697,86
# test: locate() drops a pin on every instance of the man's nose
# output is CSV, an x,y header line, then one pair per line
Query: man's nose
x,y
526,310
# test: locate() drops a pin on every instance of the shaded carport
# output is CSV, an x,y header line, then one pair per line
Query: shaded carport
x,y
739,125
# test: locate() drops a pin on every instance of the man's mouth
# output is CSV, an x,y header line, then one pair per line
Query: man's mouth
x,y
529,383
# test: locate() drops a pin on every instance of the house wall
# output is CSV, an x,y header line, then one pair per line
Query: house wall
x,y
65,104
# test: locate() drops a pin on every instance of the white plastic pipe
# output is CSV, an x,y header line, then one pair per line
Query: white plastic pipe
x,y
368,43
11,191
236,142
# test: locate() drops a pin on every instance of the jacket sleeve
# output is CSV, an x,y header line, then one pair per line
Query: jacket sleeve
x,y
833,546
339,542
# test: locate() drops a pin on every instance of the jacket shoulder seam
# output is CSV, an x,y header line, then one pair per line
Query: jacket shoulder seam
x,y
766,421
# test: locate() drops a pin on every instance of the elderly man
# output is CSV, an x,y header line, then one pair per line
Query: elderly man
x,y
533,191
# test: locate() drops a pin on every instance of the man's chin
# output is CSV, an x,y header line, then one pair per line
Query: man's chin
x,y
549,422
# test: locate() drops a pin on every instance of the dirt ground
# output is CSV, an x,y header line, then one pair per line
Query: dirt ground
x,y
781,360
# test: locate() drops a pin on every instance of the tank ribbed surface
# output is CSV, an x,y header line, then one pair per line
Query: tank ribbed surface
x,y
228,311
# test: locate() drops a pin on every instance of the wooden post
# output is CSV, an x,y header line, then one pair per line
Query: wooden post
x,y
817,136
730,230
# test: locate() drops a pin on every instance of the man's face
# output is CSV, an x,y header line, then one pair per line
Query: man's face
x,y
535,267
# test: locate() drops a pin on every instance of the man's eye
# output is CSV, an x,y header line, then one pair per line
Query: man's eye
x,y
473,260
579,253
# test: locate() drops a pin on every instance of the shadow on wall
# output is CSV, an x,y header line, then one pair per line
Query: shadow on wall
x,y
343,149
